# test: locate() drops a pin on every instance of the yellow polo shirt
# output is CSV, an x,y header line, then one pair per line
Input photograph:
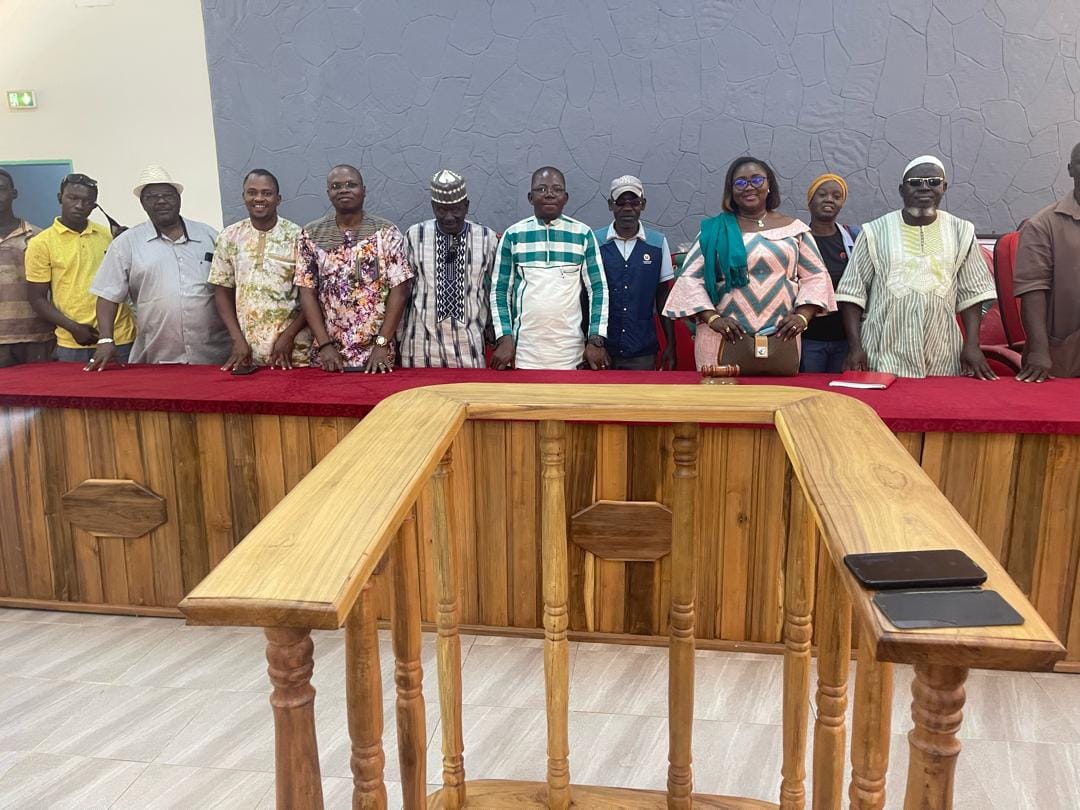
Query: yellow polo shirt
x,y
67,261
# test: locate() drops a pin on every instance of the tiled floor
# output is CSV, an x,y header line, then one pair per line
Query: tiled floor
x,y
100,712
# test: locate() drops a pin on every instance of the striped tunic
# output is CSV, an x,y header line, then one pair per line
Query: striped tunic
x,y
785,270
444,324
536,291
18,321
911,281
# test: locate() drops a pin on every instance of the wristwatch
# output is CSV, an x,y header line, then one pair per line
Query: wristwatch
x,y
380,340
596,340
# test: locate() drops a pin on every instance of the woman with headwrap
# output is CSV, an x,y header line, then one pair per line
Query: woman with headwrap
x,y
824,345
751,269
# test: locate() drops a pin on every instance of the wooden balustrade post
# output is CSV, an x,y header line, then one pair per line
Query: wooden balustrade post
x,y
555,574
680,781
408,674
289,655
937,709
364,699
834,652
798,629
448,645
871,726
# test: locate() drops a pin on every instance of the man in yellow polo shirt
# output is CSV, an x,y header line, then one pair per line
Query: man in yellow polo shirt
x,y
62,260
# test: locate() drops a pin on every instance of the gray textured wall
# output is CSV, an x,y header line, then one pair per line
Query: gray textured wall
x,y
670,90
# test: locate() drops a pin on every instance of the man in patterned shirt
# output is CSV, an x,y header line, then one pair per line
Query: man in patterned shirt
x,y
446,321
24,336
354,280
544,262
252,273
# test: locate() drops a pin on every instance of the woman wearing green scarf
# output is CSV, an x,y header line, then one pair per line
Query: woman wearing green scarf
x,y
751,268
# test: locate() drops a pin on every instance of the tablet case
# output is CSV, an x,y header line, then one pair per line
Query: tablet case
x,y
946,607
926,568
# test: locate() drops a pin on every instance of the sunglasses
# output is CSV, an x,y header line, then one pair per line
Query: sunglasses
x,y
754,181
78,180
924,182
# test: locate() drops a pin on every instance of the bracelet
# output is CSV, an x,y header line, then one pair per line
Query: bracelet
x,y
711,318
805,322
105,340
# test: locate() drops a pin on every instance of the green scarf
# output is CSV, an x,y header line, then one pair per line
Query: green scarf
x,y
722,244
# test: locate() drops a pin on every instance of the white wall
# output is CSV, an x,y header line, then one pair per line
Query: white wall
x,y
120,84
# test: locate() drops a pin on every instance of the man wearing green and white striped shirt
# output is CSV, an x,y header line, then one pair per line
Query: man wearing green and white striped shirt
x,y
544,262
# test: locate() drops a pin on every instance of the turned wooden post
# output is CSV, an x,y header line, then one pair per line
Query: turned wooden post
x,y
680,782
408,674
834,651
363,682
448,646
289,654
937,709
871,726
556,649
798,599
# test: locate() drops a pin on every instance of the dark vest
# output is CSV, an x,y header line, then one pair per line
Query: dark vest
x,y
632,287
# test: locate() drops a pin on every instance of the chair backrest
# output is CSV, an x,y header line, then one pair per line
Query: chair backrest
x,y
1003,263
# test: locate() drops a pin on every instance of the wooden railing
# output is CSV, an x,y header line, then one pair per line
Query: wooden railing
x,y
309,564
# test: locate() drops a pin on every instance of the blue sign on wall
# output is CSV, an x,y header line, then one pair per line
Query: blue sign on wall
x,y
38,183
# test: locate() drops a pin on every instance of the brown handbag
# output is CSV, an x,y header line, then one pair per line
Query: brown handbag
x,y
761,356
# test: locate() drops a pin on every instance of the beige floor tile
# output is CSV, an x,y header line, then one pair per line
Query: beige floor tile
x,y
1023,775
618,681
500,743
86,619
31,708
35,781
222,661
1064,691
337,795
125,722
75,652
232,730
1014,707
173,787
8,758
498,675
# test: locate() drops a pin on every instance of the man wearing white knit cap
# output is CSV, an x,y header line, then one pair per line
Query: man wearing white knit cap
x,y
911,272
161,266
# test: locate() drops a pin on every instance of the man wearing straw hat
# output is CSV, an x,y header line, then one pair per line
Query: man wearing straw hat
x,y
162,266
912,271
445,322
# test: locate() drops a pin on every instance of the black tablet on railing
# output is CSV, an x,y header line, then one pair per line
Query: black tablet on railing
x,y
929,568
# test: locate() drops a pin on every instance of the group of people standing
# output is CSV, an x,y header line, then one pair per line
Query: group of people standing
x,y
350,291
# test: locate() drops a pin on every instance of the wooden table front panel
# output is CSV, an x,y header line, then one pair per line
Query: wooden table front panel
x,y
220,473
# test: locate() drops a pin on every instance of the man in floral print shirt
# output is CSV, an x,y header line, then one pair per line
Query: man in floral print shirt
x,y
354,280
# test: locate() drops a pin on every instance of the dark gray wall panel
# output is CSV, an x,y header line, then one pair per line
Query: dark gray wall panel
x,y
670,90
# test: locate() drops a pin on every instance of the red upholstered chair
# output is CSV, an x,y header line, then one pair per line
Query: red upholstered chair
x,y
1003,358
1003,262
684,342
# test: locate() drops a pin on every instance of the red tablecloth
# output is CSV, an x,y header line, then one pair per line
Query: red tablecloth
x,y
949,404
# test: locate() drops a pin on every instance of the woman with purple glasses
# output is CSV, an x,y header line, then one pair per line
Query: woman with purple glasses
x,y
751,268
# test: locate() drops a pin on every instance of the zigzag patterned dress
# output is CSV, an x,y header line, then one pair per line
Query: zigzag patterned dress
x,y
786,271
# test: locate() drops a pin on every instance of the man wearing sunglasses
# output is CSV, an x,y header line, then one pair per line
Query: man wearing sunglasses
x,y
912,271
60,265
446,321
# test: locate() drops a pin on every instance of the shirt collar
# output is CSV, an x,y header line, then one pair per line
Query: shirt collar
x,y
24,229
542,224
91,227
1069,206
156,234
613,234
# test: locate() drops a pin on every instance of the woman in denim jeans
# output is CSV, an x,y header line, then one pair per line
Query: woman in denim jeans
x,y
824,345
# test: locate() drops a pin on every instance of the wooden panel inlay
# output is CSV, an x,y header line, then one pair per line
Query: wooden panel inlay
x,y
628,531
114,508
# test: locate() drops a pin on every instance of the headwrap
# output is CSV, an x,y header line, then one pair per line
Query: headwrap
x,y
448,187
821,180
723,250
920,161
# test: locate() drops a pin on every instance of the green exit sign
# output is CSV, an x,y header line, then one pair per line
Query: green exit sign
x,y
21,99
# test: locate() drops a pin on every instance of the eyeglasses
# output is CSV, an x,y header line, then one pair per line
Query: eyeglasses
x,y
630,202
923,182
78,180
157,196
542,191
351,185
754,181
